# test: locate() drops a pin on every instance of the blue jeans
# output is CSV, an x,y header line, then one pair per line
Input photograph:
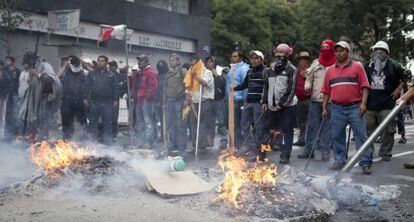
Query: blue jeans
x,y
11,123
340,117
146,121
218,113
250,116
176,127
314,122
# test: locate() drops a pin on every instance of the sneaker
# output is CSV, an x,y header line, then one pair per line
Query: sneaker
x,y
299,143
305,155
284,161
386,158
336,166
402,140
367,170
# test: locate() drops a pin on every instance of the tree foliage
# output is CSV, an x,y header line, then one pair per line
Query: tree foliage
x,y
10,20
306,23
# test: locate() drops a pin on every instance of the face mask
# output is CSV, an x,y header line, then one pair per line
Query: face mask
x,y
380,55
75,69
280,61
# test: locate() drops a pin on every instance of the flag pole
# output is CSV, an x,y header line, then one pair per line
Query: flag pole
x,y
130,109
198,120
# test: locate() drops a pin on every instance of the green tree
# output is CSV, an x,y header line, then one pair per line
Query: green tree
x,y
9,20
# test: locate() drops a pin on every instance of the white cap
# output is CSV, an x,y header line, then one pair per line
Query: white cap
x,y
87,60
343,44
135,67
256,52
381,45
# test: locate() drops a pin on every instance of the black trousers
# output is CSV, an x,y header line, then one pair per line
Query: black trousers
x,y
70,111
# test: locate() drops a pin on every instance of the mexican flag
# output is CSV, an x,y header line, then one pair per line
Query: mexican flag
x,y
113,32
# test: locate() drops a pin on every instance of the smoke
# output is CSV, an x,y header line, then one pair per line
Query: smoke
x,y
15,165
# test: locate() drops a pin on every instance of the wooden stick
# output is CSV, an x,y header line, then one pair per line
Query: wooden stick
x,y
231,109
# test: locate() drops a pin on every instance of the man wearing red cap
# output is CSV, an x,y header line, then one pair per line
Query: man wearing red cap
x,y
315,77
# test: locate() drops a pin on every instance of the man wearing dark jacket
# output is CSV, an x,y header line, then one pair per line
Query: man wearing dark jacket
x,y
218,108
279,97
253,82
73,79
121,87
387,79
11,75
101,96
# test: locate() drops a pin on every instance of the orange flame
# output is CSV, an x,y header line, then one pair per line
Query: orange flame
x,y
238,175
56,155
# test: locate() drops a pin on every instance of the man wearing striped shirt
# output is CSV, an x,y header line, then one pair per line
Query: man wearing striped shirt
x,y
347,86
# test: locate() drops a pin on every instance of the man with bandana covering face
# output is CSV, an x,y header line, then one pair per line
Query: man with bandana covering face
x,y
387,79
279,98
73,79
315,77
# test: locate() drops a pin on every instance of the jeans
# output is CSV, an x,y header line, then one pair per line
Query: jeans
x,y
115,115
314,122
283,122
400,124
218,113
340,117
146,121
176,127
250,116
238,106
11,123
101,110
70,111
373,119
302,112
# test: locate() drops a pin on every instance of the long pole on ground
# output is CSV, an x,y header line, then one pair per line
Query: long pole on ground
x,y
371,139
347,143
130,109
198,120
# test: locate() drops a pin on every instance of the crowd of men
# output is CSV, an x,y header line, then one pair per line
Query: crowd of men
x,y
320,97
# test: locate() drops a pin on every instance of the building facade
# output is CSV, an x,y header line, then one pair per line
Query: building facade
x,y
160,27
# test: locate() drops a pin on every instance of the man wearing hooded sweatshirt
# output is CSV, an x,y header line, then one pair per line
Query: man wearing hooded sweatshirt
x,y
239,71
279,97
73,79
253,82
315,77
11,75
387,79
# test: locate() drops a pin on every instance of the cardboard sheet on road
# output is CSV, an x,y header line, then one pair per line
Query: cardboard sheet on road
x,y
175,183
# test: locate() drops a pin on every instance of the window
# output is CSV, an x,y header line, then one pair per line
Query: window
x,y
180,6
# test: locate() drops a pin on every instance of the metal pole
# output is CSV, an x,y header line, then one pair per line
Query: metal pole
x,y
198,120
373,136
347,143
316,143
130,109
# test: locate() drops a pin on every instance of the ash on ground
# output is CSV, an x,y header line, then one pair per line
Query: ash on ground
x,y
91,174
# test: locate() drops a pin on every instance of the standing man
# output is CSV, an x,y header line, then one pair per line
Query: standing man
x,y
253,82
387,79
315,77
101,97
347,86
239,71
145,84
162,70
121,85
279,97
218,109
199,75
11,74
302,108
73,79
174,96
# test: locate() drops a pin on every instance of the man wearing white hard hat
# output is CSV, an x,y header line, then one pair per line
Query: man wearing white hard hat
x,y
387,79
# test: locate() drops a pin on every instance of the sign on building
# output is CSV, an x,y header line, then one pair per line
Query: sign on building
x,y
63,19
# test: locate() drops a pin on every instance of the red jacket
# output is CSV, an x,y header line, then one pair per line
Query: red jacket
x,y
147,85
300,88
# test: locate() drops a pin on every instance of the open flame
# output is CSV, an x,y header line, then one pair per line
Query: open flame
x,y
56,155
239,175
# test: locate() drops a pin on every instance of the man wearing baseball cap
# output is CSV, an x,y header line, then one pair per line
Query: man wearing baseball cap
x,y
347,86
387,79
253,82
